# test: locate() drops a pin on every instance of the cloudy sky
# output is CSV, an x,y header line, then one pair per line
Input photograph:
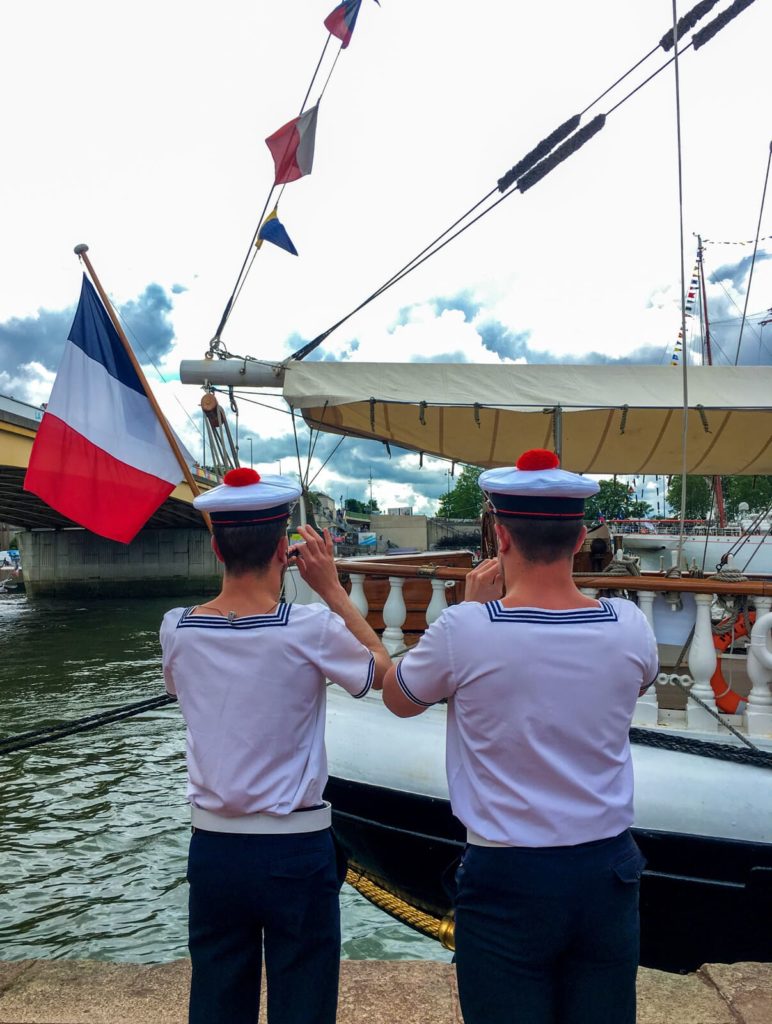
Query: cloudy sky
x,y
140,130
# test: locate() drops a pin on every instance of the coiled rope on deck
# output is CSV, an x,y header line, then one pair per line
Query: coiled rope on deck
x,y
734,609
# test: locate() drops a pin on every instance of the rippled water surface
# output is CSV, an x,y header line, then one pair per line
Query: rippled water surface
x,y
94,827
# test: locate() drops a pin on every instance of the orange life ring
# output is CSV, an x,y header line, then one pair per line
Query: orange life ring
x,y
727,700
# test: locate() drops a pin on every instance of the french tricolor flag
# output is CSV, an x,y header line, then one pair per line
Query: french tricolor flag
x,y
100,456
342,21
292,147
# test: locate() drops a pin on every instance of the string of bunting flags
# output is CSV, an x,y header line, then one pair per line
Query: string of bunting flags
x,y
694,287
292,145
751,241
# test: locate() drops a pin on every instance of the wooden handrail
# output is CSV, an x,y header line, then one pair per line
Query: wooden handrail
x,y
656,581
400,569
684,584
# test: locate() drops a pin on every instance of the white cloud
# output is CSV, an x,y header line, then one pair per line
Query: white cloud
x,y
32,386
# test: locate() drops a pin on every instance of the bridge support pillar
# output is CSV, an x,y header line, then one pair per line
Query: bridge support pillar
x,y
77,563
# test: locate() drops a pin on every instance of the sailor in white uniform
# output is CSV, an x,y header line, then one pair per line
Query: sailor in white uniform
x,y
541,682
250,673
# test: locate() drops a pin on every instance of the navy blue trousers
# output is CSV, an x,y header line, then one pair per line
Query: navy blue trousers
x,y
272,896
549,936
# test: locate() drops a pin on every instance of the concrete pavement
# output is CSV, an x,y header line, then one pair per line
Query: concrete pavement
x,y
371,992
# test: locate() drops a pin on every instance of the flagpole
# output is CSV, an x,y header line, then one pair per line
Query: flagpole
x,y
80,251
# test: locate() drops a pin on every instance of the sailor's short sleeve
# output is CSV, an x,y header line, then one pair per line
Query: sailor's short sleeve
x,y
425,674
343,659
650,657
168,626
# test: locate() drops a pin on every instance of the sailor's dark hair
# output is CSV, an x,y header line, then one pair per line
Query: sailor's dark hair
x,y
248,547
542,540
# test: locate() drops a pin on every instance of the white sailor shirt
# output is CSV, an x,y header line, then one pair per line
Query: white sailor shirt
x,y
253,695
539,707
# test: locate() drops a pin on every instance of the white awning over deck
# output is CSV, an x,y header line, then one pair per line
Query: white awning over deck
x,y
602,419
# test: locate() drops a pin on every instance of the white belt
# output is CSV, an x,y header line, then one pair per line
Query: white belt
x,y
263,824
474,840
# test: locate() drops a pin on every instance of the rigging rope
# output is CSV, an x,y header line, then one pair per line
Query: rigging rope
x,y
246,266
529,172
753,258
702,748
46,734
647,737
684,361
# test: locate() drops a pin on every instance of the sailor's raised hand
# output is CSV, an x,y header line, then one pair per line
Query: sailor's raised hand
x,y
485,582
315,561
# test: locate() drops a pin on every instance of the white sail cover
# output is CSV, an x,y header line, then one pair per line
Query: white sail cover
x,y
601,419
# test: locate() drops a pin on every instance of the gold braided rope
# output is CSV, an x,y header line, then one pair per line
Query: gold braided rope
x,y
439,929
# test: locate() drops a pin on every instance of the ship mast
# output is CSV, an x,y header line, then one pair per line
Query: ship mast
x,y
717,485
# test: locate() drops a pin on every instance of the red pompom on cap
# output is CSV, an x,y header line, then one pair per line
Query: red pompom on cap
x,y
537,458
241,477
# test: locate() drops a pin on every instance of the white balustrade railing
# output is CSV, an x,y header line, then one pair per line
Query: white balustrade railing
x,y
394,615
702,665
759,713
439,601
646,707
358,596
753,717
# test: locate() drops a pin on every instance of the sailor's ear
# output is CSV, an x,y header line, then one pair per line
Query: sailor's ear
x,y
580,540
216,549
503,537
282,548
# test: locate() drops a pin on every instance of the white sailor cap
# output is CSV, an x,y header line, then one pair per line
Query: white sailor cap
x,y
537,488
245,497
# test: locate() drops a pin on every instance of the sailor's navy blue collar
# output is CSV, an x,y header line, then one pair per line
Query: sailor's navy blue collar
x,y
278,618
551,617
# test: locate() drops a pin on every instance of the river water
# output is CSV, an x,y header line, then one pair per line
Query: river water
x,y
94,827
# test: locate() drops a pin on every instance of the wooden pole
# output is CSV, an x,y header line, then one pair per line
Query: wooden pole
x,y
80,252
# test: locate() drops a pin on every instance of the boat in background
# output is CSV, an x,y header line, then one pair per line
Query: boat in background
x,y
745,545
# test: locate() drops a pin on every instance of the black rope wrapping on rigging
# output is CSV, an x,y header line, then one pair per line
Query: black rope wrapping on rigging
x,y
562,153
703,748
539,152
723,19
687,23
33,738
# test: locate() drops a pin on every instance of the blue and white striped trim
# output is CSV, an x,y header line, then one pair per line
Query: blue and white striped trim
x,y
606,613
279,618
370,676
407,692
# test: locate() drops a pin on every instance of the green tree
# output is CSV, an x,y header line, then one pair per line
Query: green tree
x,y
755,491
699,496
615,501
361,507
466,499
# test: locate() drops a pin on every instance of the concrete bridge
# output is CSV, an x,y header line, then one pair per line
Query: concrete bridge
x,y
171,555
